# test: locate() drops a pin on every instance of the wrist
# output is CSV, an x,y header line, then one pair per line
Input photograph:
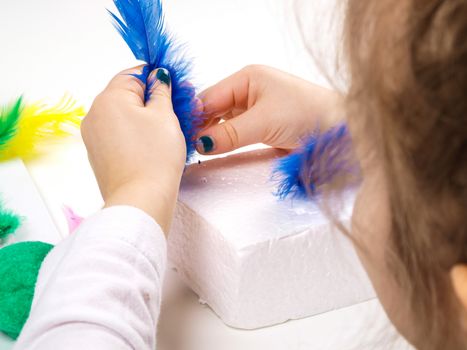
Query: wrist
x,y
156,197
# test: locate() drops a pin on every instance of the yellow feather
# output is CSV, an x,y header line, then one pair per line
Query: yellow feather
x,y
41,126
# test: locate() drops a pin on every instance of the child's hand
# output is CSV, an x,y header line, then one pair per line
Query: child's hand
x,y
137,151
264,105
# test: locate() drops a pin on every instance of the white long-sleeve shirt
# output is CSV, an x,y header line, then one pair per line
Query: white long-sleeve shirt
x,y
101,287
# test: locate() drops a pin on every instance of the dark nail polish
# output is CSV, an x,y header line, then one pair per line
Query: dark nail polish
x,y
207,143
163,75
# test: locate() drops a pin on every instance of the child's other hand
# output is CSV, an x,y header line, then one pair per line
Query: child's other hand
x,y
137,151
264,105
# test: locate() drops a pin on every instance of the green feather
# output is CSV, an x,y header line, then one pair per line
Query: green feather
x,y
9,222
9,118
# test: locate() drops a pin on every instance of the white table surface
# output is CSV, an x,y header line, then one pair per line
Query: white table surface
x,y
54,46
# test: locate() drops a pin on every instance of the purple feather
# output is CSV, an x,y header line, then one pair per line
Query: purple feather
x,y
321,159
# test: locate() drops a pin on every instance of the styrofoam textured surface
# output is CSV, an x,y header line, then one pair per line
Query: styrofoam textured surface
x,y
255,260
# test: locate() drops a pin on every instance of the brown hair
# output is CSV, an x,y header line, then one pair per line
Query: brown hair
x,y
408,94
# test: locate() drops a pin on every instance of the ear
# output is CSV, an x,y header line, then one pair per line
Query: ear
x,y
459,282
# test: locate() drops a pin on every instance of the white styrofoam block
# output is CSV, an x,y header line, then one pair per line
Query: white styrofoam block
x,y
255,260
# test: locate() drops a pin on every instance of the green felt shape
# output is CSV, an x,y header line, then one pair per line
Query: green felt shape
x,y
9,222
19,269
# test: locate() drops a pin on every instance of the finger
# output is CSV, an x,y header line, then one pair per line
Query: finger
x,y
127,81
231,93
233,114
234,133
207,123
159,89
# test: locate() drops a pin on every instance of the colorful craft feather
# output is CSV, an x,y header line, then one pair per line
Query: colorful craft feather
x,y
26,130
142,26
322,158
9,222
73,219
9,116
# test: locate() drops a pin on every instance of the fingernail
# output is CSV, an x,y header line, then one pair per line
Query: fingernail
x,y
206,143
161,75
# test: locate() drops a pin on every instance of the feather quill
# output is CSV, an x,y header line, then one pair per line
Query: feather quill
x,y
27,130
318,162
142,25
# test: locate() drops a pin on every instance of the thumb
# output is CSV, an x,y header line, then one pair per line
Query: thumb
x,y
243,130
159,89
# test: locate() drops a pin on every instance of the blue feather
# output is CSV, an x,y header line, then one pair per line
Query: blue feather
x,y
142,26
322,158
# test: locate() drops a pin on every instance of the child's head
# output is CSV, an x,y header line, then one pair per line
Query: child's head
x,y
407,107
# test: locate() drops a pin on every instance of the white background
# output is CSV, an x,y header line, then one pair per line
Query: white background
x,y
49,47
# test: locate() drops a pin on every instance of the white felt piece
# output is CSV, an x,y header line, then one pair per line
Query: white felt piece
x,y
256,260
19,194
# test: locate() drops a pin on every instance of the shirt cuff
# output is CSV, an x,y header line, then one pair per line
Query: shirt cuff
x,y
129,224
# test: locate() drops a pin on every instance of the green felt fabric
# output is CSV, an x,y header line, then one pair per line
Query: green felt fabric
x,y
9,222
19,268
